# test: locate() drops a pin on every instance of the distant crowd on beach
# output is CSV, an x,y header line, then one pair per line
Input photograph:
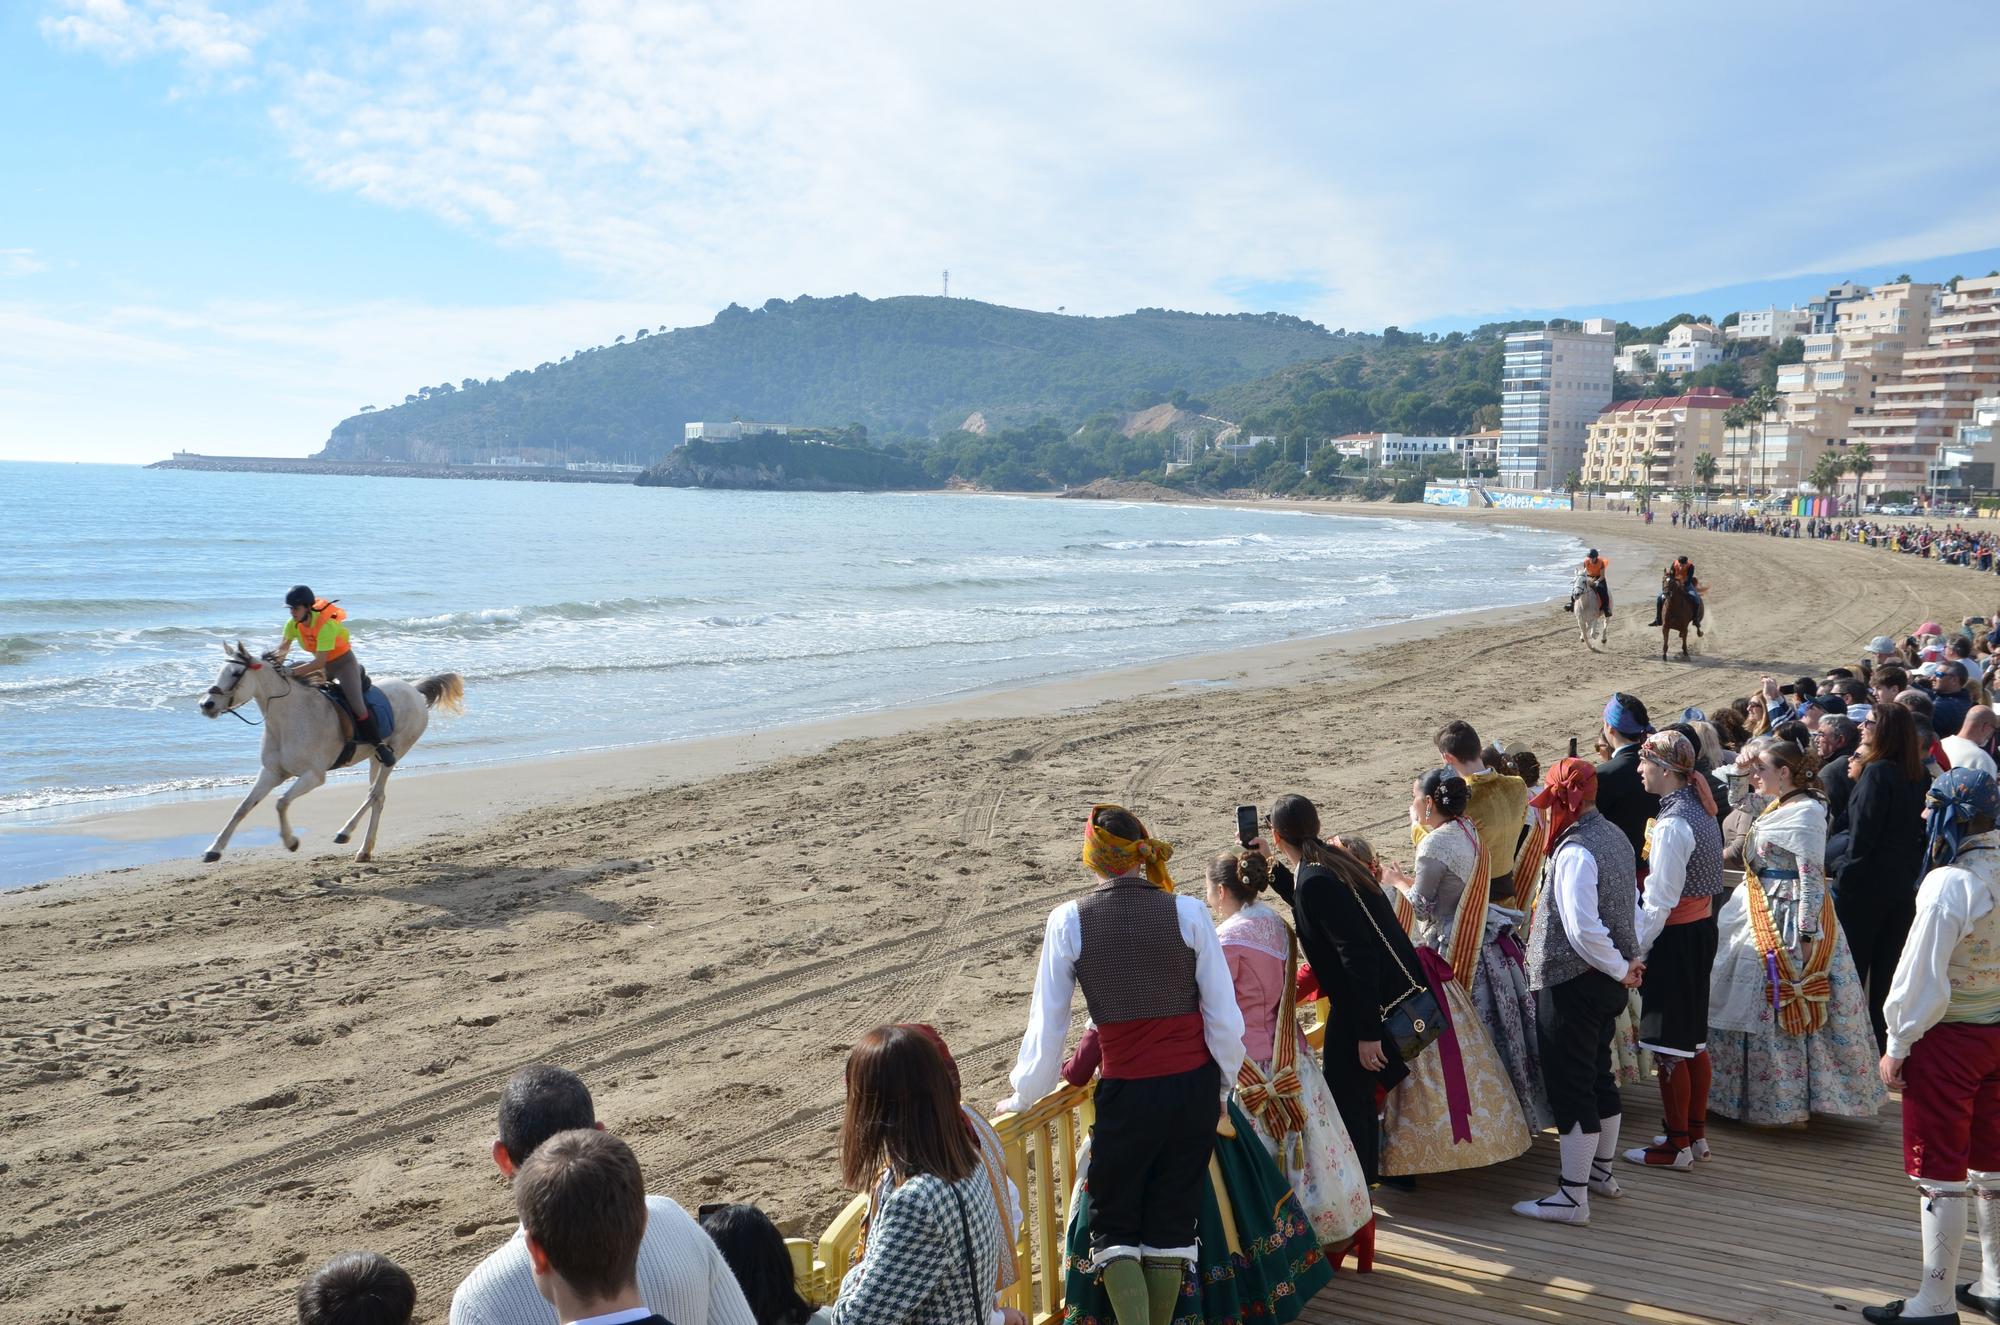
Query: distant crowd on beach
x,y
1557,931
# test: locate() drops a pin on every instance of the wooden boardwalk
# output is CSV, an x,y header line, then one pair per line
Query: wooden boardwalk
x,y
1782,1227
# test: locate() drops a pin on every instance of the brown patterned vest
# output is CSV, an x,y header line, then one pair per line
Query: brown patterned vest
x,y
1134,965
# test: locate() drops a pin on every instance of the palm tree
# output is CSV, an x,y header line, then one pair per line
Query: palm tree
x,y
1571,484
1860,463
1705,466
1826,472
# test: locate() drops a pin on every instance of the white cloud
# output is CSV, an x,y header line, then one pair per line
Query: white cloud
x,y
20,262
205,39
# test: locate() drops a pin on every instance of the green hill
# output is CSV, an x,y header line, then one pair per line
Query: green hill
x,y
905,367
781,463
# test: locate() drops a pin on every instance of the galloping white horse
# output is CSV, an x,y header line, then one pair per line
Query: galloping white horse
x,y
303,736
1590,625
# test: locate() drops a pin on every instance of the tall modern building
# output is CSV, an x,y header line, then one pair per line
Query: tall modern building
x,y
1942,374
1553,384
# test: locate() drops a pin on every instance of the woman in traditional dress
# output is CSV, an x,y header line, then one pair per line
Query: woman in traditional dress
x,y
1279,1085
1259,1259
1479,943
1780,947
1456,1109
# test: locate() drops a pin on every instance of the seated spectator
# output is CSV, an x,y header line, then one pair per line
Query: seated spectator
x,y
357,1288
756,1253
681,1274
582,1202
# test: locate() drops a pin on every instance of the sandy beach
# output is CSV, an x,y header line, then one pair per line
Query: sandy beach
x,y
216,1077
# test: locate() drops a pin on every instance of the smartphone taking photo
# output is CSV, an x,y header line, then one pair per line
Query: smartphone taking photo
x,y
1246,824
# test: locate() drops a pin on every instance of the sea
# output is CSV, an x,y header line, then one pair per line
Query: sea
x,y
586,616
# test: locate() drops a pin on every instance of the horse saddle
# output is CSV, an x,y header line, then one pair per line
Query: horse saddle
x,y
378,706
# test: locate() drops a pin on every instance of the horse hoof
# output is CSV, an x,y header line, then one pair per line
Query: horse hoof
x,y
292,844
340,839
363,857
210,857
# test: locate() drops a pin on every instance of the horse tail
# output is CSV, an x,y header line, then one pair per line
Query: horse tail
x,y
446,689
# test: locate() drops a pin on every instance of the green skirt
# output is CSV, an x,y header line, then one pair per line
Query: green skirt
x,y
1280,1267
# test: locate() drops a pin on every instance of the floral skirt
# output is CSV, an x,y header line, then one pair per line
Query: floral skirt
x,y
1260,1259
1324,1171
1631,1062
1767,1078
1507,1011
1416,1119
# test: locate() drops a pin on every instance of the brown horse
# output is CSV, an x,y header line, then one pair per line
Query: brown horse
x,y
1676,613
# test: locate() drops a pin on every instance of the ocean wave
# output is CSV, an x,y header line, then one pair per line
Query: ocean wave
x,y
1149,544
20,648
85,607
49,798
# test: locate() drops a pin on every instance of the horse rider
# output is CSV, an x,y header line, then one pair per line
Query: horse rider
x,y
316,627
1595,567
1681,572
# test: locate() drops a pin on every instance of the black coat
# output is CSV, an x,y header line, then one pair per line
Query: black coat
x,y
1623,799
1353,968
1839,784
1886,834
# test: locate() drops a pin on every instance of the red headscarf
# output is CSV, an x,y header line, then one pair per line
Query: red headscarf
x,y
1567,788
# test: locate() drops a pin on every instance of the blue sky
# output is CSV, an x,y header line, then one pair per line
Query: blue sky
x,y
230,225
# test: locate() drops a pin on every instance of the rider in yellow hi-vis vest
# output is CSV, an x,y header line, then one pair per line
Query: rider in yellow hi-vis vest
x,y
317,627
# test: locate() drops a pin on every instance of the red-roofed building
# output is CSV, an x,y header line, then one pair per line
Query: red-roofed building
x,y
1655,439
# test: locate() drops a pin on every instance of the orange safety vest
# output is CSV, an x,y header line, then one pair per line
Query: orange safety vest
x,y
1680,571
1595,567
323,610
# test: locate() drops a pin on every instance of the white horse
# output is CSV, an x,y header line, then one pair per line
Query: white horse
x,y
1590,627
303,736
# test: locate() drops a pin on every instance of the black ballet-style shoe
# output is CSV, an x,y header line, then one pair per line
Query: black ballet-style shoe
x,y
1892,1314
1987,1306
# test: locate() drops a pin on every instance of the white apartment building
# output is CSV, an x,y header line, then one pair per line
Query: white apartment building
x,y
1627,361
1773,324
1825,310
735,428
1553,383
1690,347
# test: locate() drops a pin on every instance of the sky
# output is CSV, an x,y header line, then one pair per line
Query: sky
x,y
228,226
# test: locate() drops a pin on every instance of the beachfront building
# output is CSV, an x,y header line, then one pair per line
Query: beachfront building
x,y
1656,440
1553,382
735,428
1483,448
1690,347
1825,310
1771,324
1941,375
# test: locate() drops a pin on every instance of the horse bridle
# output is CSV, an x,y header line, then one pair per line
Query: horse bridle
x,y
244,666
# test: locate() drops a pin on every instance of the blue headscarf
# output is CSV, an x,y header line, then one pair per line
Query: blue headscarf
x,y
1956,799
1619,717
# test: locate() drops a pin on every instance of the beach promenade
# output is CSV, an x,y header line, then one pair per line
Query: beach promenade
x,y
216,1077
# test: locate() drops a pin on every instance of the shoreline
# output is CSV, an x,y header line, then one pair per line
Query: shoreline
x,y
121,839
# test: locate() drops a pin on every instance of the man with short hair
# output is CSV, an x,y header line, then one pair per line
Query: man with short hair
x,y
682,1275
1889,681
1881,651
1834,743
582,1201
1972,746
357,1288
1497,804
1951,703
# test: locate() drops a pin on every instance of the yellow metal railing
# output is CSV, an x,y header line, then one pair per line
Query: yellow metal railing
x,y
1041,1145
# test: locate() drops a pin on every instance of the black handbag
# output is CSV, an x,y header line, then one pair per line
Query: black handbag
x,y
1412,1021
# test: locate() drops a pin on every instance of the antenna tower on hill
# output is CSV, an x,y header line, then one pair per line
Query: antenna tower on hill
x,y
947,282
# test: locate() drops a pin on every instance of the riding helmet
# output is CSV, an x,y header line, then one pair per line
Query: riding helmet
x,y
1593,552
300,596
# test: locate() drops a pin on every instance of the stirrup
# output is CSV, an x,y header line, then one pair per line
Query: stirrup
x,y
385,754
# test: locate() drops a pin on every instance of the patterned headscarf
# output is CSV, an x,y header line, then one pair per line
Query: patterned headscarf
x,y
1956,799
1110,855
1675,753
1567,788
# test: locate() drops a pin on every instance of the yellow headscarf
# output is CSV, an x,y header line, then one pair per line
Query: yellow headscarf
x,y
1111,855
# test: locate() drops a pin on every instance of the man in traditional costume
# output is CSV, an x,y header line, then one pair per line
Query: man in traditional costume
x,y
1621,796
1581,953
1159,991
1677,938
1943,1017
